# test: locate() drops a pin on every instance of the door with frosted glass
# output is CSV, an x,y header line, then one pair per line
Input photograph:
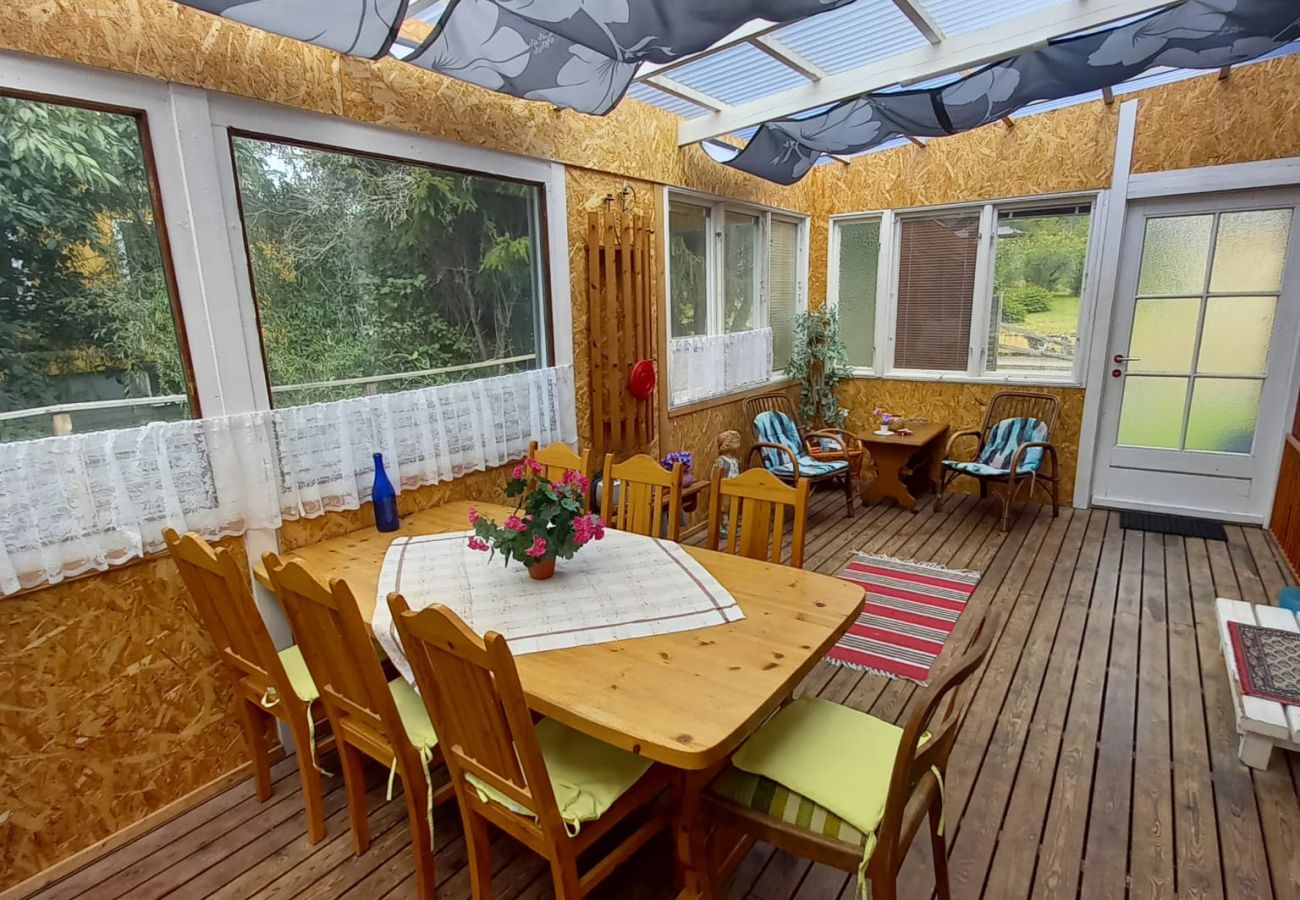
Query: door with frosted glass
x,y
1202,355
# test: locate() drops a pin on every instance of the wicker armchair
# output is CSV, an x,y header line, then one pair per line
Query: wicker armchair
x,y
790,453
1010,448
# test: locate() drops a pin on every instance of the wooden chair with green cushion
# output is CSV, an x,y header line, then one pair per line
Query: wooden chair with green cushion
x,y
268,684
841,787
755,505
1010,448
557,458
647,499
370,715
554,789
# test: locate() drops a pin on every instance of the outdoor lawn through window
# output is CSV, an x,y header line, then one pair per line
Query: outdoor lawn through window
x,y
373,275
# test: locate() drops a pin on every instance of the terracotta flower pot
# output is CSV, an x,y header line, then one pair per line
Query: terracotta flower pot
x,y
542,570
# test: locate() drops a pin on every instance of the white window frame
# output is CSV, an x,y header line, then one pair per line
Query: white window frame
x,y
887,287
715,254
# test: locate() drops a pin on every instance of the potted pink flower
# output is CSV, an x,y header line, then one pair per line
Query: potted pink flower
x,y
549,522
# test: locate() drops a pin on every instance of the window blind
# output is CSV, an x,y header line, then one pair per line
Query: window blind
x,y
859,259
936,289
783,288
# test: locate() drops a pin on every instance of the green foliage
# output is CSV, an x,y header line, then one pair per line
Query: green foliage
x,y
550,520
1019,302
819,361
1047,251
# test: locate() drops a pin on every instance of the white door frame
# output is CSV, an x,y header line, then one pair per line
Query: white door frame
x,y
1126,186
1261,463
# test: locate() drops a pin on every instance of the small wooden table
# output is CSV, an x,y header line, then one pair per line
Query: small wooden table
x,y
893,452
1261,723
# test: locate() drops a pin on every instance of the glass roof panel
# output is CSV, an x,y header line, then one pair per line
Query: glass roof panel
x,y
852,35
964,16
648,94
737,74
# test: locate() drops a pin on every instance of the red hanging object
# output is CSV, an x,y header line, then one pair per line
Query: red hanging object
x,y
641,380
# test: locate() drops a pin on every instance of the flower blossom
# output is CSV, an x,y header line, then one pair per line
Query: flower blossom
x,y
517,473
477,543
514,523
538,549
473,515
587,528
575,479
534,465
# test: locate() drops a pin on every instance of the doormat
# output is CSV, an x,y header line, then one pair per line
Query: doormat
x,y
909,610
1184,526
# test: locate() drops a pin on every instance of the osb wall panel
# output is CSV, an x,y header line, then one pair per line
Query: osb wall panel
x,y
960,406
1253,114
113,706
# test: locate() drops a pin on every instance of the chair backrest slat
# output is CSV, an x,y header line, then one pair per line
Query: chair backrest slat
x,y
337,647
558,458
1021,405
772,401
648,494
471,688
225,603
756,515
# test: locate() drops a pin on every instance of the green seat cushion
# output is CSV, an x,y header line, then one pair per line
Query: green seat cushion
x,y
587,775
834,757
299,677
779,802
414,714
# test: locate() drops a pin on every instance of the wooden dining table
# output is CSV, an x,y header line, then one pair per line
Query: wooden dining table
x,y
686,699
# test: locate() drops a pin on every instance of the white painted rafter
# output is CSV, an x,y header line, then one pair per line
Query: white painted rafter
x,y
950,55
789,57
685,92
920,17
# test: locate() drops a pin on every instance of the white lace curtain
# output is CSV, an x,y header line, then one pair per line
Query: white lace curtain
x,y
88,501
712,365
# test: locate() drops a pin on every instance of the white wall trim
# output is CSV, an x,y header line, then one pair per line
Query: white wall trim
x,y
1267,173
1112,234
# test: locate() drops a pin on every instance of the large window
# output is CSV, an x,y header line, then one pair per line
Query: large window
x,y
374,275
88,333
734,270
991,291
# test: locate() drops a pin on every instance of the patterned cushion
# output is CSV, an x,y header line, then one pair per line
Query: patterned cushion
x,y
1000,449
808,467
770,798
777,428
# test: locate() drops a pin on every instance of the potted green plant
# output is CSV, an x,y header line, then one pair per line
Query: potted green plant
x,y
819,361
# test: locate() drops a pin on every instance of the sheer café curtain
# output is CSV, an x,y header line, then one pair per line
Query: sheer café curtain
x,y
85,502
936,289
712,365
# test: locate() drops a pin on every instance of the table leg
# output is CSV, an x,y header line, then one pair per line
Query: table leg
x,y
690,872
888,481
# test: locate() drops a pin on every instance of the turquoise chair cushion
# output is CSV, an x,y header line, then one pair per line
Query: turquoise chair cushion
x,y
1000,449
778,428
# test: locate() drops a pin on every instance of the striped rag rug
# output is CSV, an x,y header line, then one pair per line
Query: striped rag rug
x,y
909,610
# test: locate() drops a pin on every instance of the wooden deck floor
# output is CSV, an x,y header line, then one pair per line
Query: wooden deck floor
x,y
1098,759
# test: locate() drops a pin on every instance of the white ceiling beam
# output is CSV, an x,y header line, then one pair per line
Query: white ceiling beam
x,y
742,35
685,92
952,55
789,57
920,17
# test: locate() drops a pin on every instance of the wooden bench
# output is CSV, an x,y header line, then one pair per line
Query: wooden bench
x,y
1261,723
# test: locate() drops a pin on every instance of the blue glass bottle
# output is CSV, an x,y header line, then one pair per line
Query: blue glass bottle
x,y
385,498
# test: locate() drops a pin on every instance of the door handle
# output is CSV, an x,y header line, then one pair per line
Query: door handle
x,y
1121,358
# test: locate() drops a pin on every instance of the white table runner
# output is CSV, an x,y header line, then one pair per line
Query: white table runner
x,y
625,586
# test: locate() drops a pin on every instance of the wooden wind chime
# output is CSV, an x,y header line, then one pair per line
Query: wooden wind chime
x,y
620,303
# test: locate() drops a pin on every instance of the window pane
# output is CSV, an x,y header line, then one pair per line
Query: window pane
x,y
1037,280
85,309
783,289
1164,335
1174,254
1222,418
1249,251
936,285
688,240
1236,335
373,275
740,276
859,258
1151,413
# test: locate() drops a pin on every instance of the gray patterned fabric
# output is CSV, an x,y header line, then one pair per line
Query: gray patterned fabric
x,y
580,54
1197,34
356,27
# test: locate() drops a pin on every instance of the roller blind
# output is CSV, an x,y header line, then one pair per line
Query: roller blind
x,y
936,289
783,288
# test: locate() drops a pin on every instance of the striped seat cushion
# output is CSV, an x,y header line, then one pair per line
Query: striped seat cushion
x,y
1000,449
770,798
778,428
809,467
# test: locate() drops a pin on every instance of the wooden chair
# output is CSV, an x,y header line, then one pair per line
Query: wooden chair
x,y
647,492
269,684
508,771
902,772
1010,446
845,444
788,454
371,716
756,512
557,458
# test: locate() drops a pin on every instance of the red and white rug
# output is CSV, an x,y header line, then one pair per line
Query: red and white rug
x,y
908,613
